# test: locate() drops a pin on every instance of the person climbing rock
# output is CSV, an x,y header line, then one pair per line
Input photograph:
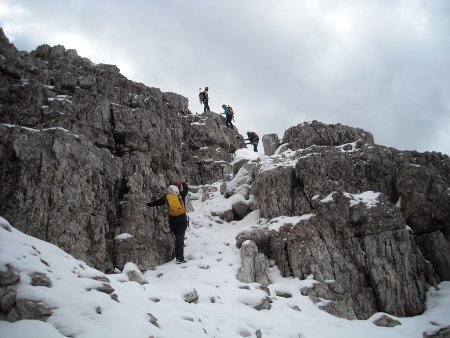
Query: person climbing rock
x,y
229,115
204,99
178,221
253,138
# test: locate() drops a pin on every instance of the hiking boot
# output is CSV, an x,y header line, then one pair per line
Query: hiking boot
x,y
179,261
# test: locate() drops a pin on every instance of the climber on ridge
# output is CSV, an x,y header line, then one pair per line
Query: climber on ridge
x,y
253,138
229,115
204,98
178,221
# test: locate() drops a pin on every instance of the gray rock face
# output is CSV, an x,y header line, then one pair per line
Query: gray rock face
x,y
351,248
417,183
82,149
351,256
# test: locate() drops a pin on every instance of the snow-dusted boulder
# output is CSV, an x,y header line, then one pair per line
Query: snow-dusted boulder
x,y
133,273
254,266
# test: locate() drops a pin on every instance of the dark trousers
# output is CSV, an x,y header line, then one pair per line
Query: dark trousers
x,y
178,225
206,106
255,145
228,123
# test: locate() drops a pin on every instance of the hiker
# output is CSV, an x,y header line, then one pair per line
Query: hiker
x,y
204,98
178,221
253,138
229,115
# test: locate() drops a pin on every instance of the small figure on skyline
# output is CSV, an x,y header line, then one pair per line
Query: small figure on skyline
x,y
204,99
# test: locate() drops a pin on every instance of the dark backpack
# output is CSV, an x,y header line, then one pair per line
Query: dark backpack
x,y
202,96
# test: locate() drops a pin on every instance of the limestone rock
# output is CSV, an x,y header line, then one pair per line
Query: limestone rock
x,y
351,258
83,149
317,133
7,299
271,142
134,274
386,321
240,209
152,319
40,279
254,265
443,332
105,288
10,276
191,297
30,309
264,305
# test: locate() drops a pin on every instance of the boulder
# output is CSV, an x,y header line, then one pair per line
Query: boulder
x,y
386,321
134,274
271,142
254,266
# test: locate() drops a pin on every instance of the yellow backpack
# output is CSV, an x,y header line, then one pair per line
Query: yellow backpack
x,y
176,206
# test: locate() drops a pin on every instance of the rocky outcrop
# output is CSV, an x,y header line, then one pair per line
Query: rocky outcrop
x,y
416,183
320,134
353,252
376,232
82,149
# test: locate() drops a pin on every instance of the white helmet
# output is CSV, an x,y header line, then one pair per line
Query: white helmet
x,y
173,190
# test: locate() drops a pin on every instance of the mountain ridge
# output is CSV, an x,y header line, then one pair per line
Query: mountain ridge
x,y
83,149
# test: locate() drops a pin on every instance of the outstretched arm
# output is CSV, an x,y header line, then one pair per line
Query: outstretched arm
x,y
157,203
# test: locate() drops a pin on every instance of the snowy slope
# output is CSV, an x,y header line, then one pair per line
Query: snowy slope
x,y
224,307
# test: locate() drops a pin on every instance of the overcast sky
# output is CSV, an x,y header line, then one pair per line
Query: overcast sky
x,y
380,65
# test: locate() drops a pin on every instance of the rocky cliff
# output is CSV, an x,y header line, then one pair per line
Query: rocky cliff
x,y
377,231
82,149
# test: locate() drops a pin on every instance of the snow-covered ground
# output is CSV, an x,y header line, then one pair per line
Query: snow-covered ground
x,y
224,307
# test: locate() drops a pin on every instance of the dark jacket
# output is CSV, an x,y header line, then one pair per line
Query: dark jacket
x,y
252,137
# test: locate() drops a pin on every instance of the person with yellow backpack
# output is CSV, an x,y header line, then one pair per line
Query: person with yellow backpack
x,y
178,220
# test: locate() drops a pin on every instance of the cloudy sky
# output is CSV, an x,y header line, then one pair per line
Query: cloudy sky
x,y
380,65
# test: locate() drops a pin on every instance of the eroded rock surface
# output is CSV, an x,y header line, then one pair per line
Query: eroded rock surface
x,y
82,149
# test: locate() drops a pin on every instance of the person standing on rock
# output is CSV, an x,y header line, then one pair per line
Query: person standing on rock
x,y
204,99
178,221
253,138
229,115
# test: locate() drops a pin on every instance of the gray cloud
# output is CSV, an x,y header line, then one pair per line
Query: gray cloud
x,y
378,65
